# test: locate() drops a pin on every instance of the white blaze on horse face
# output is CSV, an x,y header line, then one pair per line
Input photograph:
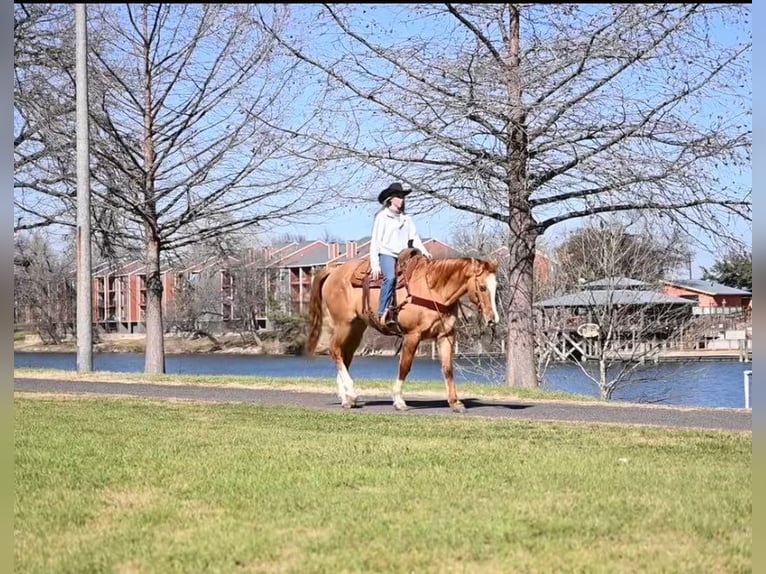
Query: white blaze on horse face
x,y
492,289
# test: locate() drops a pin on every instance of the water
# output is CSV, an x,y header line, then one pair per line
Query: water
x,y
701,383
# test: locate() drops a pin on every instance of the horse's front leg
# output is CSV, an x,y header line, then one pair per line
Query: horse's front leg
x,y
409,346
446,351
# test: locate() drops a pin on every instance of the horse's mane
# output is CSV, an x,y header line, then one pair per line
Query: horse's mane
x,y
442,271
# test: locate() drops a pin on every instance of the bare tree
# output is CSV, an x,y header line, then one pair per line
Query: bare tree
x,y
184,145
254,293
43,116
537,114
617,247
44,287
612,316
198,301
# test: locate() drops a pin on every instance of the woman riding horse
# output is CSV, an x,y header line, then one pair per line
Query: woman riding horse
x,y
392,231
429,311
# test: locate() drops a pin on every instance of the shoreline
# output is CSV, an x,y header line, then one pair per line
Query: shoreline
x,y
230,349
176,346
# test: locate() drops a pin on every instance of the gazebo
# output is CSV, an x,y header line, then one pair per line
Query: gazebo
x,y
618,312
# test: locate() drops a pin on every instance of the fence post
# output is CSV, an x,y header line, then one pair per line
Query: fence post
x,y
747,376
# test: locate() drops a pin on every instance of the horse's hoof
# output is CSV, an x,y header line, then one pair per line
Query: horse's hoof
x,y
458,407
401,407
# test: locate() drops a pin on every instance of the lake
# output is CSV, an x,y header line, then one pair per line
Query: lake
x,y
697,383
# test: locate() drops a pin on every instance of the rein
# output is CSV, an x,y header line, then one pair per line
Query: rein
x,y
478,293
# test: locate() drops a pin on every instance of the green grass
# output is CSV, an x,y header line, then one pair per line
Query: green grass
x,y
125,485
382,386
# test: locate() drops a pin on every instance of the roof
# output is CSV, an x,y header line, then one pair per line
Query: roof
x,y
617,283
440,249
212,262
603,297
305,254
362,250
116,269
706,287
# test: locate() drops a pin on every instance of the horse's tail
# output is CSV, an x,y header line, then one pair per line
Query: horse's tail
x,y
315,311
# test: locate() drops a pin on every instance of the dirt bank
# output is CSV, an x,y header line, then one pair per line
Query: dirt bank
x,y
136,344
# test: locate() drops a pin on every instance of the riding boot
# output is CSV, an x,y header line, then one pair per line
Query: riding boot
x,y
391,319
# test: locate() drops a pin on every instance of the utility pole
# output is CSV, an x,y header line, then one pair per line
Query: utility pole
x,y
84,286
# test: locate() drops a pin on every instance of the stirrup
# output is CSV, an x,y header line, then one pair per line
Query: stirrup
x,y
388,321
392,320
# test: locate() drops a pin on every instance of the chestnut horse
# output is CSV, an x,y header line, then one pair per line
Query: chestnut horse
x,y
427,310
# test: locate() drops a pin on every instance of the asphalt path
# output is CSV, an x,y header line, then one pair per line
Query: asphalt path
x,y
729,419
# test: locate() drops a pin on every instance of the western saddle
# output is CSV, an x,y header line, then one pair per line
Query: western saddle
x,y
361,278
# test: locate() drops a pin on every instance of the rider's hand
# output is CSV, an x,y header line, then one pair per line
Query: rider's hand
x,y
375,274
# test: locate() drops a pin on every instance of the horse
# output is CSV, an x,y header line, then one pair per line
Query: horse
x,y
428,310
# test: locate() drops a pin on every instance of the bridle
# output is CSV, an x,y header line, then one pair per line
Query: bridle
x,y
478,288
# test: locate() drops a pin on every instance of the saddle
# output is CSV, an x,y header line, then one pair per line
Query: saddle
x,y
360,277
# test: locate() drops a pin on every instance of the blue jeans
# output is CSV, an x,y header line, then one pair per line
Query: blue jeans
x,y
387,288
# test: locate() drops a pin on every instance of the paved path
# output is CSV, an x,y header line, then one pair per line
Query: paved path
x,y
708,418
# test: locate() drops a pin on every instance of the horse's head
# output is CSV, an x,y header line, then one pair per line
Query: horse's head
x,y
482,289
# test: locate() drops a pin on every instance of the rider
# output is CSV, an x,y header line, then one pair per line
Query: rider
x,y
392,230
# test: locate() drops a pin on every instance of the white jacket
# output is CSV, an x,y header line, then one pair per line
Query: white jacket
x,y
390,233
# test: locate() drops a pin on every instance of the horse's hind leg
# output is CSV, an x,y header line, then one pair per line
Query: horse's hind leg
x,y
343,345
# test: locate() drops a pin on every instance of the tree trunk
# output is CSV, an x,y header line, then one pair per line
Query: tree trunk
x,y
520,359
154,356
603,384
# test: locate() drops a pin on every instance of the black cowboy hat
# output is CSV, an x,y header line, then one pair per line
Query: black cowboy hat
x,y
393,190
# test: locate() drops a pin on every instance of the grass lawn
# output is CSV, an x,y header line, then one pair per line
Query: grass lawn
x,y
126,485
